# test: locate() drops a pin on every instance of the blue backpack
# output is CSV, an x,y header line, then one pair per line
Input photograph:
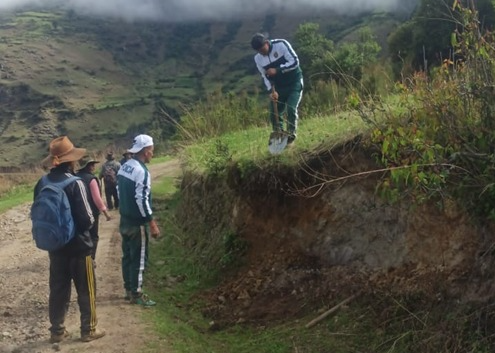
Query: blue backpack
x,y
53,225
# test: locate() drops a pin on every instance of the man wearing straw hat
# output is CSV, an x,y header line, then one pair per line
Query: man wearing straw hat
x,y
73,261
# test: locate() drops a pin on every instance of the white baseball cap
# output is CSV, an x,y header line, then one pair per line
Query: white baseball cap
x,y
140,142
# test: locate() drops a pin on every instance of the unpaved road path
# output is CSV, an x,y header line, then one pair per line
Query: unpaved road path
x,y
24,291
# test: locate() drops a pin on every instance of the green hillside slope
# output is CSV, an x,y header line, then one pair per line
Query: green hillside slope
x,y
101,80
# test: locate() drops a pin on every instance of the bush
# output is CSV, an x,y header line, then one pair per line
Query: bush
x,y
442,146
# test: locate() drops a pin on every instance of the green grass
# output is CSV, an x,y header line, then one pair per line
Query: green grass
x,y
161,159
164,186
16,196
251,145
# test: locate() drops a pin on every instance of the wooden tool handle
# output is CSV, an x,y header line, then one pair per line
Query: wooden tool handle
x,y
275,105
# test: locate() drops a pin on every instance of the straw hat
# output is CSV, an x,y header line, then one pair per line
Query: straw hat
x,y
61,151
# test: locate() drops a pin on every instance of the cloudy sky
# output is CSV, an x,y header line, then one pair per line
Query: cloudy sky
x,y
181,10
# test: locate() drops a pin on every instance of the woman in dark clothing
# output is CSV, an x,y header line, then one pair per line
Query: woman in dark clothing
x,y
87,174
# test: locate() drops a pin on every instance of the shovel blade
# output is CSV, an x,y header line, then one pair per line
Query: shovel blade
x,y
277,143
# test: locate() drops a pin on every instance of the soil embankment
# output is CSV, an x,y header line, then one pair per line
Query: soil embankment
x,y
307,249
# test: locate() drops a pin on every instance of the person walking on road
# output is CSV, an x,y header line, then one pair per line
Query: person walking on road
x,y
71,263
87,174
108,174
279,67
125,157
136,218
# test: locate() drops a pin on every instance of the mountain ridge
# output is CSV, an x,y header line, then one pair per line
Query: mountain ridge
x,y
109,77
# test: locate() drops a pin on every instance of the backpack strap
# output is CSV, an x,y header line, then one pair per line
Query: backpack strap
x,y
67,181
61,184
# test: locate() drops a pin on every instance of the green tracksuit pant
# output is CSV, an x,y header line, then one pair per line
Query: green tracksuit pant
x,y
135,240
288,102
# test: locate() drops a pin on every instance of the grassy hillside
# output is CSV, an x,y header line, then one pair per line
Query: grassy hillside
x,y
101,80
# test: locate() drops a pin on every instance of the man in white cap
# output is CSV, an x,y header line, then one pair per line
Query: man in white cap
x,y
136,218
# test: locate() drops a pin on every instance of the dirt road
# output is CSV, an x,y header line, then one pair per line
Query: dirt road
x,y
24,291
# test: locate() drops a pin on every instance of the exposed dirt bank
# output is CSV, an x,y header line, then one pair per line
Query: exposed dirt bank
x,y
305,250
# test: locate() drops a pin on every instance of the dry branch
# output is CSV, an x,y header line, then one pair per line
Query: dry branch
x,y
330,311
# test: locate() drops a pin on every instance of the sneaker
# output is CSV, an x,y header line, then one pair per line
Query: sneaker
x,y
56,338
143,300
128,295
93,335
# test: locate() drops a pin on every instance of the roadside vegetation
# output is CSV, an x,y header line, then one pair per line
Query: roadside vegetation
x,y
16,188
16,195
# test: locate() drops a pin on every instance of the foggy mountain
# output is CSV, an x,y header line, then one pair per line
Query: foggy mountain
x,y
205,10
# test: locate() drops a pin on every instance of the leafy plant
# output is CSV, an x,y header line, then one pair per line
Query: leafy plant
x,y
217,161
443,144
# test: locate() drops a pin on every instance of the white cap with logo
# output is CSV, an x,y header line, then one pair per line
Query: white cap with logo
x,y
140,142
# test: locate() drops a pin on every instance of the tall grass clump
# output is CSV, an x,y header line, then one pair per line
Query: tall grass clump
x,y
442,147
220,113
332,96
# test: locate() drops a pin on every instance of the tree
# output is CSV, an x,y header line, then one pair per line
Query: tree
x,y
351,58
311,47
424,41
322,60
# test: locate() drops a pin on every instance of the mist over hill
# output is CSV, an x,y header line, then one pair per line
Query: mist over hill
x,y
208,10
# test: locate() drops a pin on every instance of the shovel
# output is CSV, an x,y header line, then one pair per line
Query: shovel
x,y
278,139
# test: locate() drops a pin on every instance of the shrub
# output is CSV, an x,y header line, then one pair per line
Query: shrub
x,y
442,146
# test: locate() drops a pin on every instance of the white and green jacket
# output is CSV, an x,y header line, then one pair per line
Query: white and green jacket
x,y
134,186
283,58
